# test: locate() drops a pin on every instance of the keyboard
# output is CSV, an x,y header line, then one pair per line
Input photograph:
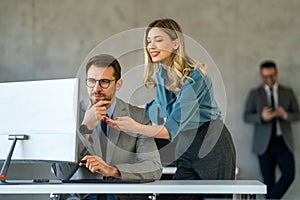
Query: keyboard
x,y
109,181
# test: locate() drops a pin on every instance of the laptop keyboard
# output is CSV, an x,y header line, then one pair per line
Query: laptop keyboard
x,y
108,181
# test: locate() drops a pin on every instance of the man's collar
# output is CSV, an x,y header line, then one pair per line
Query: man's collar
x,y
275,87
111,108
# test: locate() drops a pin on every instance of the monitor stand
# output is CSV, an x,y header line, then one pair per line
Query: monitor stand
x,y
6,164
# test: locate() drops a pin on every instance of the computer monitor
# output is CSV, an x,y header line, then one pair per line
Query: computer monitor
x,y
41,118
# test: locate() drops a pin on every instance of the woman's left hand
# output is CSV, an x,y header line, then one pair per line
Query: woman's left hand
x,y
126,124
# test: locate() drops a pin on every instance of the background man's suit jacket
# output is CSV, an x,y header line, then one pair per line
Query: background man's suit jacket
x,y
135,156
255,103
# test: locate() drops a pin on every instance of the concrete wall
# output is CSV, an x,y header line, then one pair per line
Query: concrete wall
x,y
50,39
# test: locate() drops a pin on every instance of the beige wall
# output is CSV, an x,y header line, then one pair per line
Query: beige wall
x,y
50,39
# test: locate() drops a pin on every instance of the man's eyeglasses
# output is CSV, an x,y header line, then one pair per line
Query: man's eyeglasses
x,y
104,83
270,76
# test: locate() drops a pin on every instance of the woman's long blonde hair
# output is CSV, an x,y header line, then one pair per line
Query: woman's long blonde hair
x,y
180,65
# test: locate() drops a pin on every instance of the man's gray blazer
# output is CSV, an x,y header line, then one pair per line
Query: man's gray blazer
x,y
255,103
135,156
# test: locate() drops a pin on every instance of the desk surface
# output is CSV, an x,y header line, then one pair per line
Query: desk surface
x,y
169,170
161,186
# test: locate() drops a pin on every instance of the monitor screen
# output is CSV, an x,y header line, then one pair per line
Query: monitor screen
x,y
47,112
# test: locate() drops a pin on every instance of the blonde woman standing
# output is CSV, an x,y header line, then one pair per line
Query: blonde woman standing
x,y
185,99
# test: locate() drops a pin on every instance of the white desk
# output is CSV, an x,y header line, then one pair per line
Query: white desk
x,y
169,170
172,170
241,187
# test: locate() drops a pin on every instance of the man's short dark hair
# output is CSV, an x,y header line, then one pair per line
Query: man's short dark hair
x,y
268,64
105,60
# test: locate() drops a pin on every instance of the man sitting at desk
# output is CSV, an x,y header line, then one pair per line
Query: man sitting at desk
x,y
104,151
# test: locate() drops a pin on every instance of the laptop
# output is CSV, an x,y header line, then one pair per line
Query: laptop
x,y
109,181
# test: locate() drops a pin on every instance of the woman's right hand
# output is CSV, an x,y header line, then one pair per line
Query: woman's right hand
x,y
126,124
142,106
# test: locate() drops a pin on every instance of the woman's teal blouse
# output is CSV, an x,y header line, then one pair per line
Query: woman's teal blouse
x,y
191,107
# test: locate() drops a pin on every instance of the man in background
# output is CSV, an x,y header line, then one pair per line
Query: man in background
x,y
271,107
105,152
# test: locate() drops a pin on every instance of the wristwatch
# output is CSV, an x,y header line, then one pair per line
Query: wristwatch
x,y
83,129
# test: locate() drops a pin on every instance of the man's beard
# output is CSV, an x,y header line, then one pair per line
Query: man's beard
x,y
103,97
